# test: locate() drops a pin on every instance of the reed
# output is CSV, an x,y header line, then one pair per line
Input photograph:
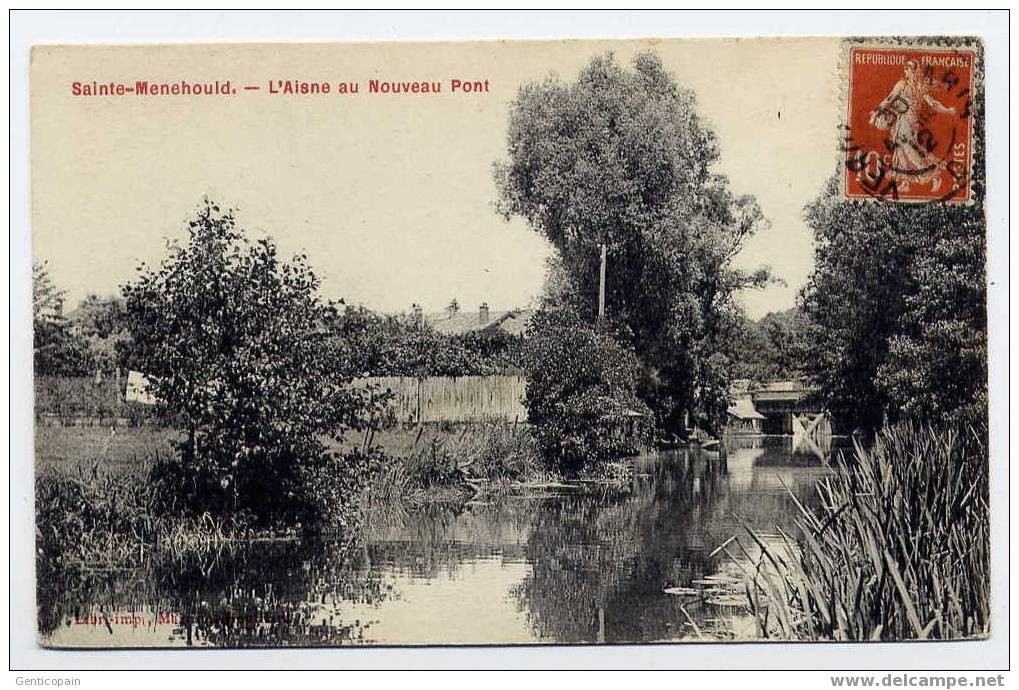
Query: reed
x,y
899,548
496,450
91,517
94,518
446,464
449,454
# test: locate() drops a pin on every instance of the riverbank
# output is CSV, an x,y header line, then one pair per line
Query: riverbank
x,y
433,452
452,461
96,501
575,562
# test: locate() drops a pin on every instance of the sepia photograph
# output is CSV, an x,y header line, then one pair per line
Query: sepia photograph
x,y
530,342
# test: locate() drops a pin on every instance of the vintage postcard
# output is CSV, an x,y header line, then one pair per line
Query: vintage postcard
x,y
499,343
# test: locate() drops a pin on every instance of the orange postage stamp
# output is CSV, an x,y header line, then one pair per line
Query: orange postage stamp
x,y
909,131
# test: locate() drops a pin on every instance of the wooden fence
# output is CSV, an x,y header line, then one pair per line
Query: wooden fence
x,y
461,399
433,399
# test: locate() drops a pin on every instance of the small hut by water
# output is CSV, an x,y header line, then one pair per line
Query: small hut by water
x,y
743,418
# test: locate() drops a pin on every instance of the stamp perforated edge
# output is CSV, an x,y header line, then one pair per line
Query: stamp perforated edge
x,y
973,44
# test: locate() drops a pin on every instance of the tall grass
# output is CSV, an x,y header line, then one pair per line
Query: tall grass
x,y
899,548
100,519
93,518
446,464
498,451
451,454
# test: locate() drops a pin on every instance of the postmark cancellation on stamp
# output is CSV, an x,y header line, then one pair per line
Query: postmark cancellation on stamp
x,y
908,134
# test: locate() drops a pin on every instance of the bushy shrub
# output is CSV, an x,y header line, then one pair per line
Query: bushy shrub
x,y
331,486
234,340
581,393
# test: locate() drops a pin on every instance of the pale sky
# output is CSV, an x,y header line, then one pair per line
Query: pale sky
x,y
390,196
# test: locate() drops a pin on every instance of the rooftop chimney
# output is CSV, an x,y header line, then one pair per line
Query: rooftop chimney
x,y
483,314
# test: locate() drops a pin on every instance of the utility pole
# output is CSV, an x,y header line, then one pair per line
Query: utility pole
x,y
601,285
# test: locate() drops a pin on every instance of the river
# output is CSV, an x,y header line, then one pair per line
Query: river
x,y
557,566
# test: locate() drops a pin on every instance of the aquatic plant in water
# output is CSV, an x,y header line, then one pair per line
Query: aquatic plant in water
x,y
898,550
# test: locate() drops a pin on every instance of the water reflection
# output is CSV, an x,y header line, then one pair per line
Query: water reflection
x,y
582,566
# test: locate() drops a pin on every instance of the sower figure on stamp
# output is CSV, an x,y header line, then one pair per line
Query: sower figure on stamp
x,y
901,113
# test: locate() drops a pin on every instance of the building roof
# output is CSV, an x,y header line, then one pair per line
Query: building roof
x,y
790,386
744,408
779,391
513,321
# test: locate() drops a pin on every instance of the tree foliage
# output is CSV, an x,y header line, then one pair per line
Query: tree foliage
x,y
102,322
374,344
620,157
57,348
937,360
897,308
233,338
771,348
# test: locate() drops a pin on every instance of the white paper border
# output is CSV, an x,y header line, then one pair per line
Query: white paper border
x,y
58,27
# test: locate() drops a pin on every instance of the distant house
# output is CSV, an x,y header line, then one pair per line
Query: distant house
x,y
512,321
743,417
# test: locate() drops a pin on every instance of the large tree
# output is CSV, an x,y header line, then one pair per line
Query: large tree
x,y
772,347
897,308
620,157
233,337
57,348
